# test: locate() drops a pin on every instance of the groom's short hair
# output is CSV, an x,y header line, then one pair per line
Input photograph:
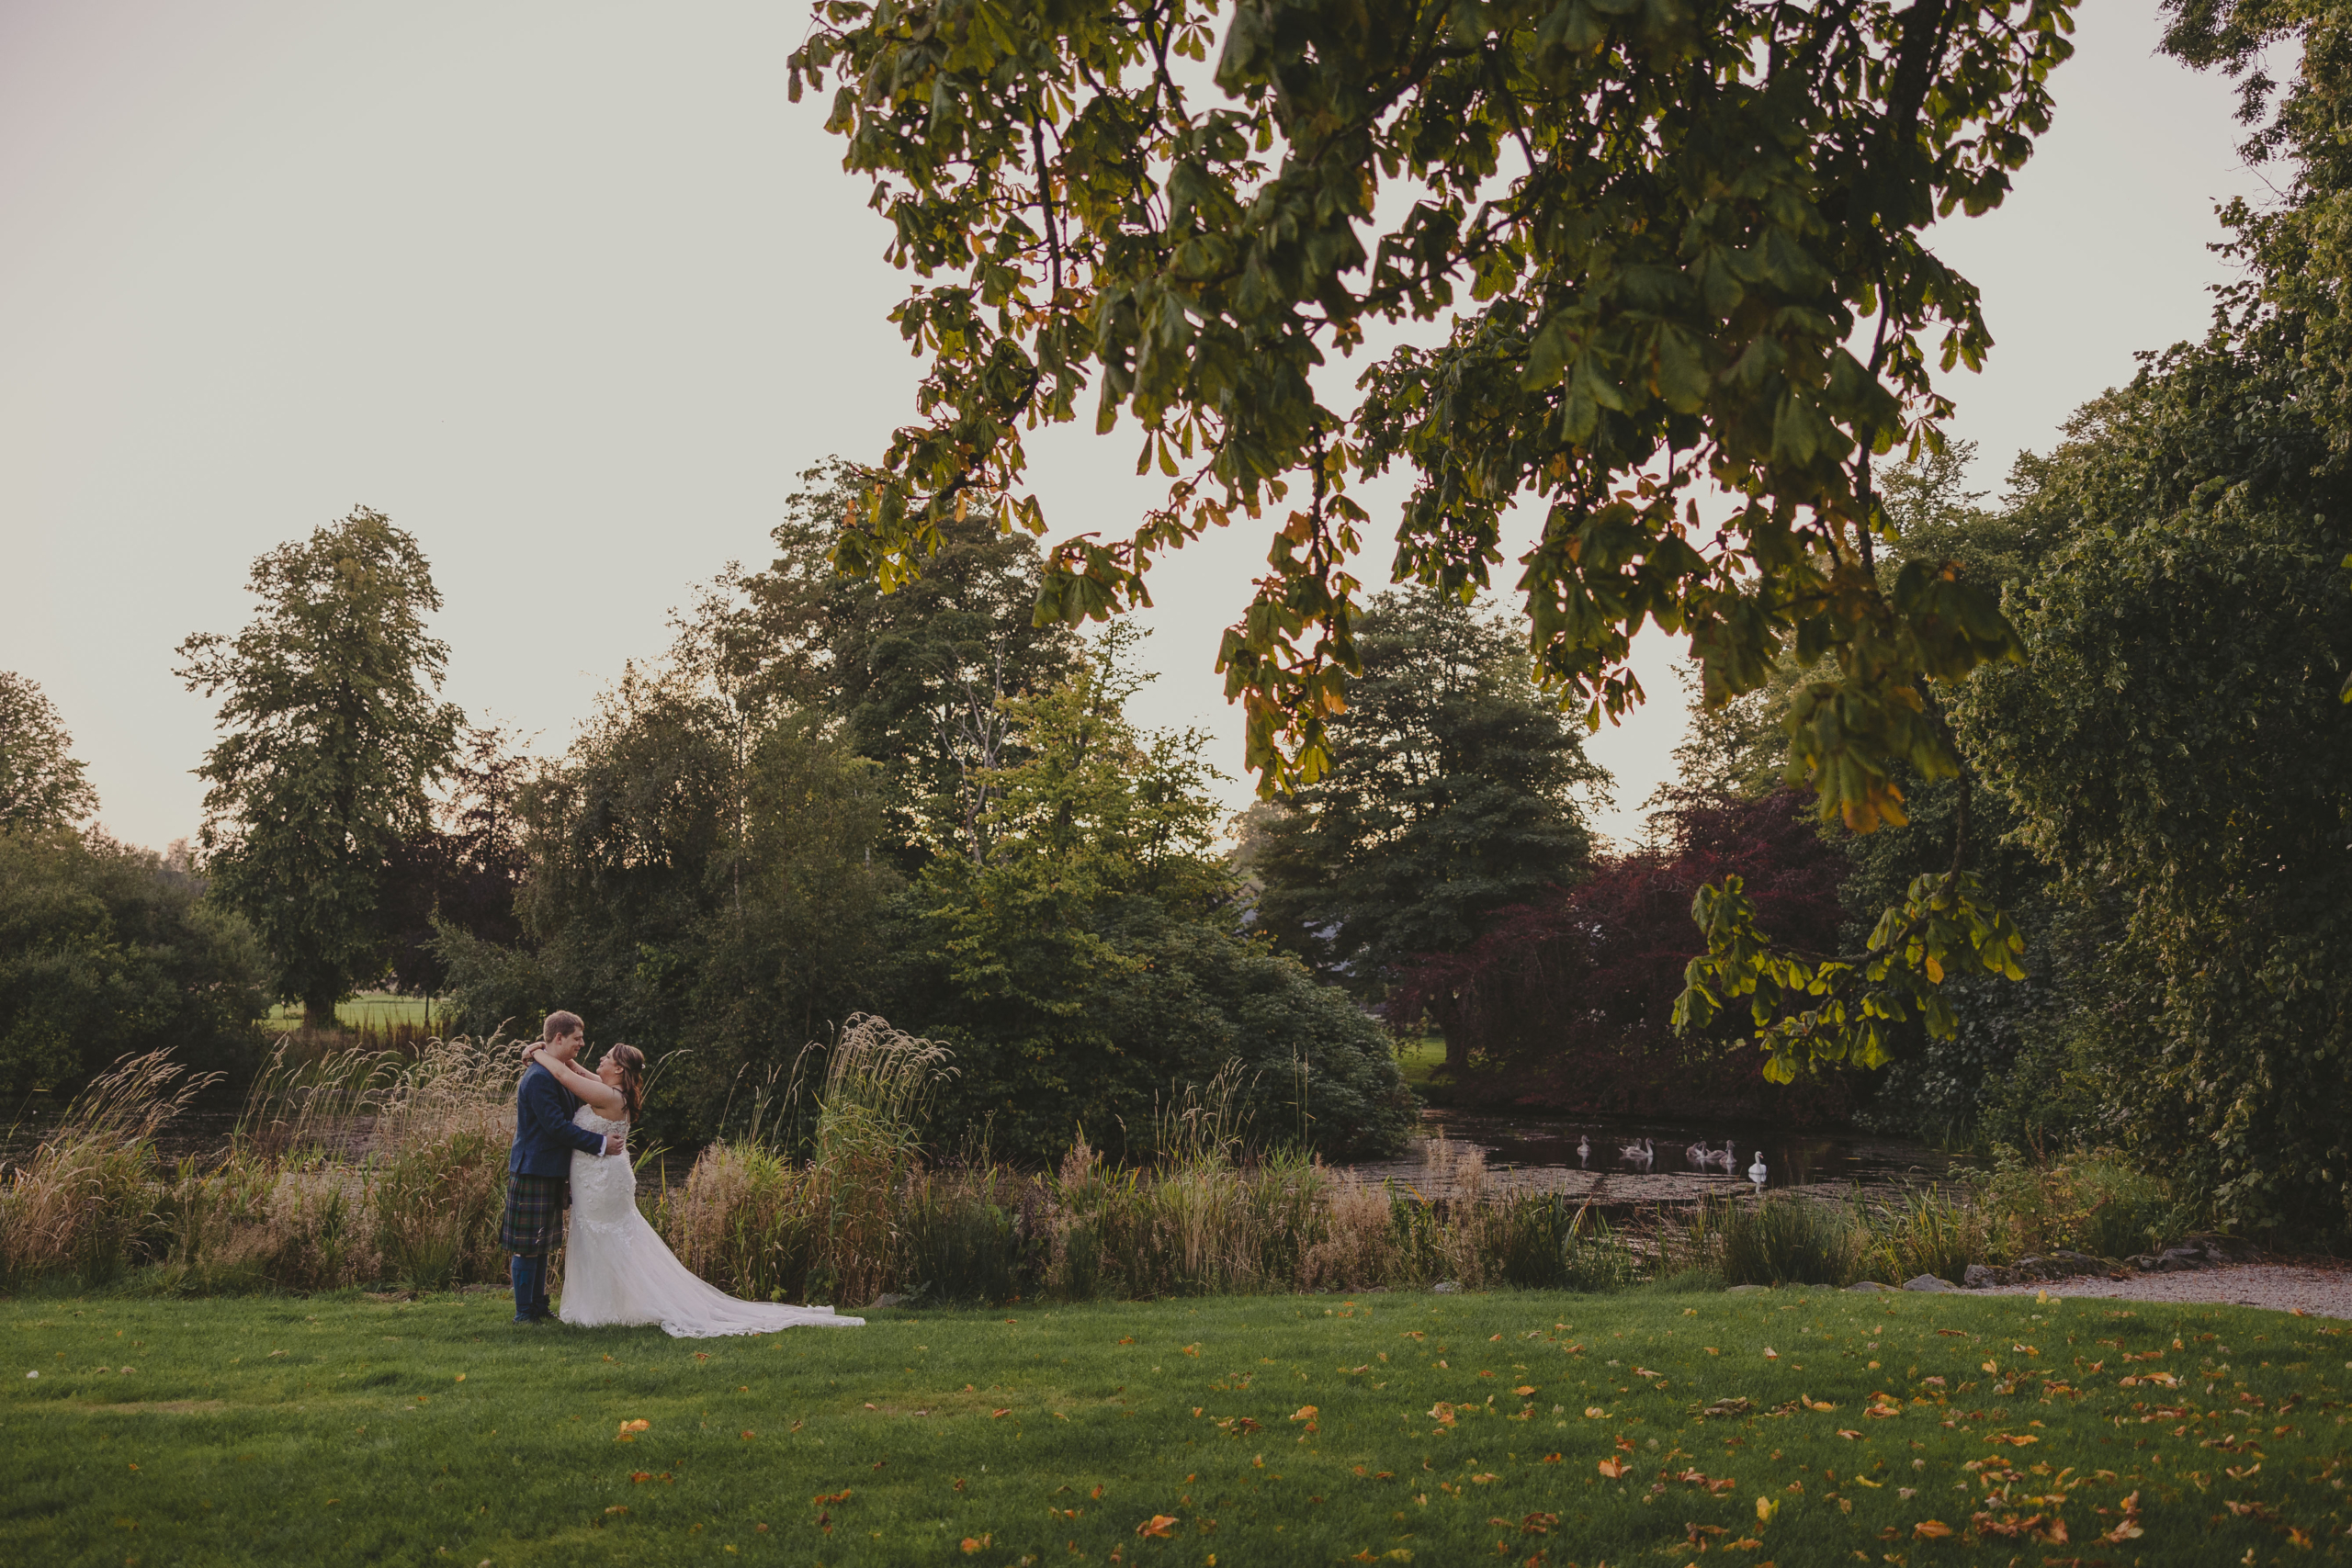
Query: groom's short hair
x,y
560,1024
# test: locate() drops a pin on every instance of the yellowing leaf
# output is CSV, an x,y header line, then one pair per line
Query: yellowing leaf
x,y
1613,1468
1931,1529
1158,1525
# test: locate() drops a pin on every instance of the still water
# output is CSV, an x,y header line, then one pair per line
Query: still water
x,y
1535,1154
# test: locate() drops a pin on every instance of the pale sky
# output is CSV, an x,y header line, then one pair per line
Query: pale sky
x,y
573,294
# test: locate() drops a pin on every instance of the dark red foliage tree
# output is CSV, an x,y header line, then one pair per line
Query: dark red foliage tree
x,y
1566,1003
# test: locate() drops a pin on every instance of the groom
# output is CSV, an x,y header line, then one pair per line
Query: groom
x,y
539,1173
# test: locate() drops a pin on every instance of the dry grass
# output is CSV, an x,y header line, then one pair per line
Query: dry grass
x,y
373,1165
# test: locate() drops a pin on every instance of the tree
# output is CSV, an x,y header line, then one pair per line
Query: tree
x,y
463,869
1669,222
915,677
1451,794
2177,753
332,738
41,784
699,880
1091,961
107,951
1567,1001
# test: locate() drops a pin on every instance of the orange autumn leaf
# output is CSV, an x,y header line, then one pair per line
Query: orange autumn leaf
x,y
1000,1415
1613,1468
1158,1525
1305,1412
980,1543
1931,1529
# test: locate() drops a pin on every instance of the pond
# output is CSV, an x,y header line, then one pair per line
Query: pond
x,y
1539,1154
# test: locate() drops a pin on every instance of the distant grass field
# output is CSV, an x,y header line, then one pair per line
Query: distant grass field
x,y
368,1008
1527,1428
1420,1058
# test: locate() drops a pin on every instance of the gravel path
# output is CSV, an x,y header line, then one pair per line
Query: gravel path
x,y
2317,1290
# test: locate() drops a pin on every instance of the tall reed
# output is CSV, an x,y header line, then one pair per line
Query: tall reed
x,y
82,1203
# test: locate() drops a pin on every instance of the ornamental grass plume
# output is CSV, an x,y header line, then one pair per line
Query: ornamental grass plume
x,y
82,1203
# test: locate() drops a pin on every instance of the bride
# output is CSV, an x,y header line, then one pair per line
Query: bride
x,y
617,1268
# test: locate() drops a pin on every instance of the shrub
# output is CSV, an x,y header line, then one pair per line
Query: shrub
x,y
2093,1201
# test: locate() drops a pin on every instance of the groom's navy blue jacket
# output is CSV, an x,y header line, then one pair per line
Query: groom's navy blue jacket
x,y
544,1136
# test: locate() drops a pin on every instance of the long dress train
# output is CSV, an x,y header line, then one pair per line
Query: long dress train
x,y
617,1270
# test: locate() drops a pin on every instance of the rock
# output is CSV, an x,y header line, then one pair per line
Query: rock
x,y
1980,1277
2143,1261
1744,1290
2063,1262
1928,1282
2182,1259
1445,1288
1869,1285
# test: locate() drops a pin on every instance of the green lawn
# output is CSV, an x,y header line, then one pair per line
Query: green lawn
x,y
1420,1058
376,1008
1263,1430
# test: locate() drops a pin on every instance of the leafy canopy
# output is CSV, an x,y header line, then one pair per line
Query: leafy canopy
x,y
1451,795
1651,231
41,784
331,736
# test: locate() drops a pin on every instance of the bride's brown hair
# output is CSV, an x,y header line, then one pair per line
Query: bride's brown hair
x,y
632,1061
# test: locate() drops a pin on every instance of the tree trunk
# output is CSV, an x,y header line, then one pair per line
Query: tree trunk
x,y
318,1013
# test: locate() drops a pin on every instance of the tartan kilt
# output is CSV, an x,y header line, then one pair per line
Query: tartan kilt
x,y
533,1225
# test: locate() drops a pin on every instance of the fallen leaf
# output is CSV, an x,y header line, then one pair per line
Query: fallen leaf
x,y
993,1415
1158,1525
1613,1468
1523,1389
1931,1529
617,1508
1304,1413
977,1543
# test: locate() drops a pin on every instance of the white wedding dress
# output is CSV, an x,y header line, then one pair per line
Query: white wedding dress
x,y
617,1270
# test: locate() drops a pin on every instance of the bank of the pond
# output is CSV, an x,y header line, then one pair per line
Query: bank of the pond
x,y
1404,1427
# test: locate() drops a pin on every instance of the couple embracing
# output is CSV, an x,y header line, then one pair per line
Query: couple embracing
x,y
571,1146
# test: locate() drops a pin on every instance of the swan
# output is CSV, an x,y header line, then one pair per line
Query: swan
x,y
1755,1172
1631,1152
1584,1148
1699,1154
1723,1157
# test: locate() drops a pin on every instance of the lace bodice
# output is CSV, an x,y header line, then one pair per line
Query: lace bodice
x,y
586,1117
